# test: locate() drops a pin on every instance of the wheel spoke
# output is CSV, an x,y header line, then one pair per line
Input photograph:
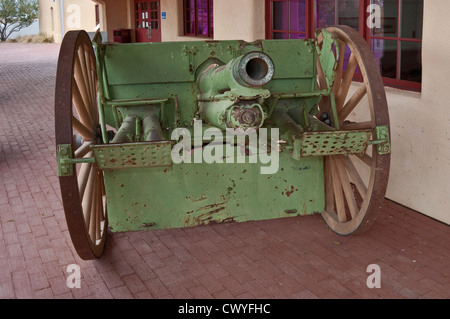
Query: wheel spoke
x,y
86,133
94,212
99,210
80,106
352,103
94,96
83,176
81,82
346,81
337,190
347,188
367,125
365,158
88,196
83,149
90,82
355,177
338,76
82,72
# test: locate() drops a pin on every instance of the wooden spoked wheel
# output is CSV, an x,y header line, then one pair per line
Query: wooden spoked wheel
x,y
355,185
76,116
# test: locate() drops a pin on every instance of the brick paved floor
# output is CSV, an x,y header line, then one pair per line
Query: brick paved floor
x,y
287,258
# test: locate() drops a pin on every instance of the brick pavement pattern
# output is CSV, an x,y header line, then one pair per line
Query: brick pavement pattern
x,y
287,258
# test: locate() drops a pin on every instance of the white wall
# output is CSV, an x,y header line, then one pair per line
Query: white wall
x,y
78,14
172,26
245,21
233,20
420,125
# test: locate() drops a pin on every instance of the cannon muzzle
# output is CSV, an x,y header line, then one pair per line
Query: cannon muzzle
x,y
231,95
253,69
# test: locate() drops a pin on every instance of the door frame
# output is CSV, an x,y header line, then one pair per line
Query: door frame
x,y
150,17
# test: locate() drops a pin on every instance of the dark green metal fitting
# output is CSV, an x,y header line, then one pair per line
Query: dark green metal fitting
x,y
382,140
64,152
66,161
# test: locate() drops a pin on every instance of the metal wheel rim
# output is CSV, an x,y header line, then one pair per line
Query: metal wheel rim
x,y
84,202
336,168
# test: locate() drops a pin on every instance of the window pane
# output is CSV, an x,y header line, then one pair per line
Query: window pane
x,y
412,16
279,15
202,17
347,53
279,35
388,19
325,13
385,52
202,29
189,17
349,13
198,17
297,35
297,15
189,27
411,61
189,4
211,19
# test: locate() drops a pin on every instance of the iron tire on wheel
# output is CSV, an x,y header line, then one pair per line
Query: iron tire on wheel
x,y
355,185
76,124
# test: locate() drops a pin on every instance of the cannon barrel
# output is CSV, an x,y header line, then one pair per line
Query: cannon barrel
x,y
231,94
253,69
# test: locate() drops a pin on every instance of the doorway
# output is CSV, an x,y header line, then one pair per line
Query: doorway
x,y
147,20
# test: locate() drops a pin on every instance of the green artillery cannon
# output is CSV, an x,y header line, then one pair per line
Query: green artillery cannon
x,y
180,134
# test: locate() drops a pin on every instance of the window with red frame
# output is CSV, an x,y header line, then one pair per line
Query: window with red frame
x,y
288,19
198,18
393,29
397,42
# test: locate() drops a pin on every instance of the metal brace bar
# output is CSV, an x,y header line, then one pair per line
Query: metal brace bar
x,y
65,161
382,140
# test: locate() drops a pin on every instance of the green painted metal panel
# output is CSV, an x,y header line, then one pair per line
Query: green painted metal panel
x,y
292,58
193,194
170,70
334,142
145,190
129,155
146,63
